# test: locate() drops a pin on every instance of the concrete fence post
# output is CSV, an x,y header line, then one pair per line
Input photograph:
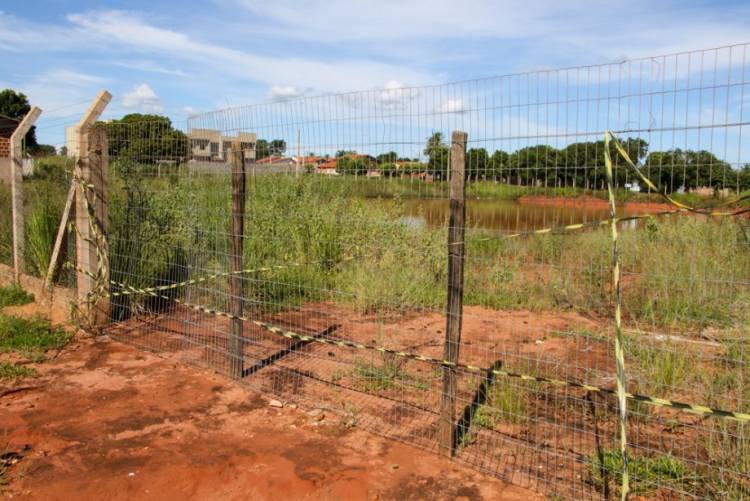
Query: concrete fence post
x,y
16,168
92,256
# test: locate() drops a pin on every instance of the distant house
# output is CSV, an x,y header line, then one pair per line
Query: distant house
x,y
275,160
349,163
635,187
308,162
327,167
210,145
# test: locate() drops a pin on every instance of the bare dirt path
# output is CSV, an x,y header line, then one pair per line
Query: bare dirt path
x,y
107,421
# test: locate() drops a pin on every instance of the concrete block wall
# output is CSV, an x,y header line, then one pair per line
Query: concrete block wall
x,y
5,160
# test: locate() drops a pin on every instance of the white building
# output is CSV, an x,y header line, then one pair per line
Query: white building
x,y
210,145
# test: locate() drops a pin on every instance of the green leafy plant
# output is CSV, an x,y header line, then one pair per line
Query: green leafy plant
x,y
31,337
388,375
13,294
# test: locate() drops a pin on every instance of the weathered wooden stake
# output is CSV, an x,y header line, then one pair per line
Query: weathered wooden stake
x,y
92,256
16,187
454,309
60,237
239,180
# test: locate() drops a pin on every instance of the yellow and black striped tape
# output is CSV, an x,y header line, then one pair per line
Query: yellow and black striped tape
x,y
619,341
709,211
659,402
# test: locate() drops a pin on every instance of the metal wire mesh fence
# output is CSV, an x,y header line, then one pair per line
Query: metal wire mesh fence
x,y
300,247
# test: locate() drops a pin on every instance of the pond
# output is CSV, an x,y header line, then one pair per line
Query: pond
x,y
504,215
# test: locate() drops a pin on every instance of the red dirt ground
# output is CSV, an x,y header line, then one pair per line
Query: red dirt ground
x,y
637,206
107,421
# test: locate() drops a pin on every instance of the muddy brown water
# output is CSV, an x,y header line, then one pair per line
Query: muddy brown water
x,y
503,215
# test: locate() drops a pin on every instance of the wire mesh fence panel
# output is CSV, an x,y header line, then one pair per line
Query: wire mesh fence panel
x,y
333,294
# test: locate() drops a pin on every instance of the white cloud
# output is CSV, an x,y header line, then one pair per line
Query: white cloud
x,y
452,106
285,92
142,98
146,44
64,77
560,28
130,31
151,67
395,95
188,110
20,35
62,94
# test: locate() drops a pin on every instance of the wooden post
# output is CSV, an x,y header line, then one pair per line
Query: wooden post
x,y
92,201
52,267
454,309
239,179
16,187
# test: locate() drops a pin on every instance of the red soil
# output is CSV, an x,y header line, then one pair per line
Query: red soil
x,y
107,421
635,206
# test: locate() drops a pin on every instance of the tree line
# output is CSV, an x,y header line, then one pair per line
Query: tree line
x,y
581,164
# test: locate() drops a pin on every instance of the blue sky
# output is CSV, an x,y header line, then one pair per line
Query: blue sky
x,y
178,58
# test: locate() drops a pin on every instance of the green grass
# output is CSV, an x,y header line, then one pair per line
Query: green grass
x,y
647,474
360,253
13,295
31,337
659,368
42,222
505,403
677,271
6,225
43,199
388,375
12,371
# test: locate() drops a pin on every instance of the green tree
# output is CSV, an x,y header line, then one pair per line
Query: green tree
x,y
350,165
437,153
675,169
278,146
43,150
16,105
498,167
531,165
145,139
265,148
743,178
389,157
477,163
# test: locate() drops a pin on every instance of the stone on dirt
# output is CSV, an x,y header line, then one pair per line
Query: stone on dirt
x,y
276,403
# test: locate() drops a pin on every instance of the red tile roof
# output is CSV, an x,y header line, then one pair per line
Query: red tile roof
x,y
330,164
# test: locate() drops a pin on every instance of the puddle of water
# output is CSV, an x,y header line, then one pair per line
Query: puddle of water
x,y
503,215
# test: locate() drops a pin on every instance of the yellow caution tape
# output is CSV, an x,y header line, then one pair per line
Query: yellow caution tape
x,y
660,402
